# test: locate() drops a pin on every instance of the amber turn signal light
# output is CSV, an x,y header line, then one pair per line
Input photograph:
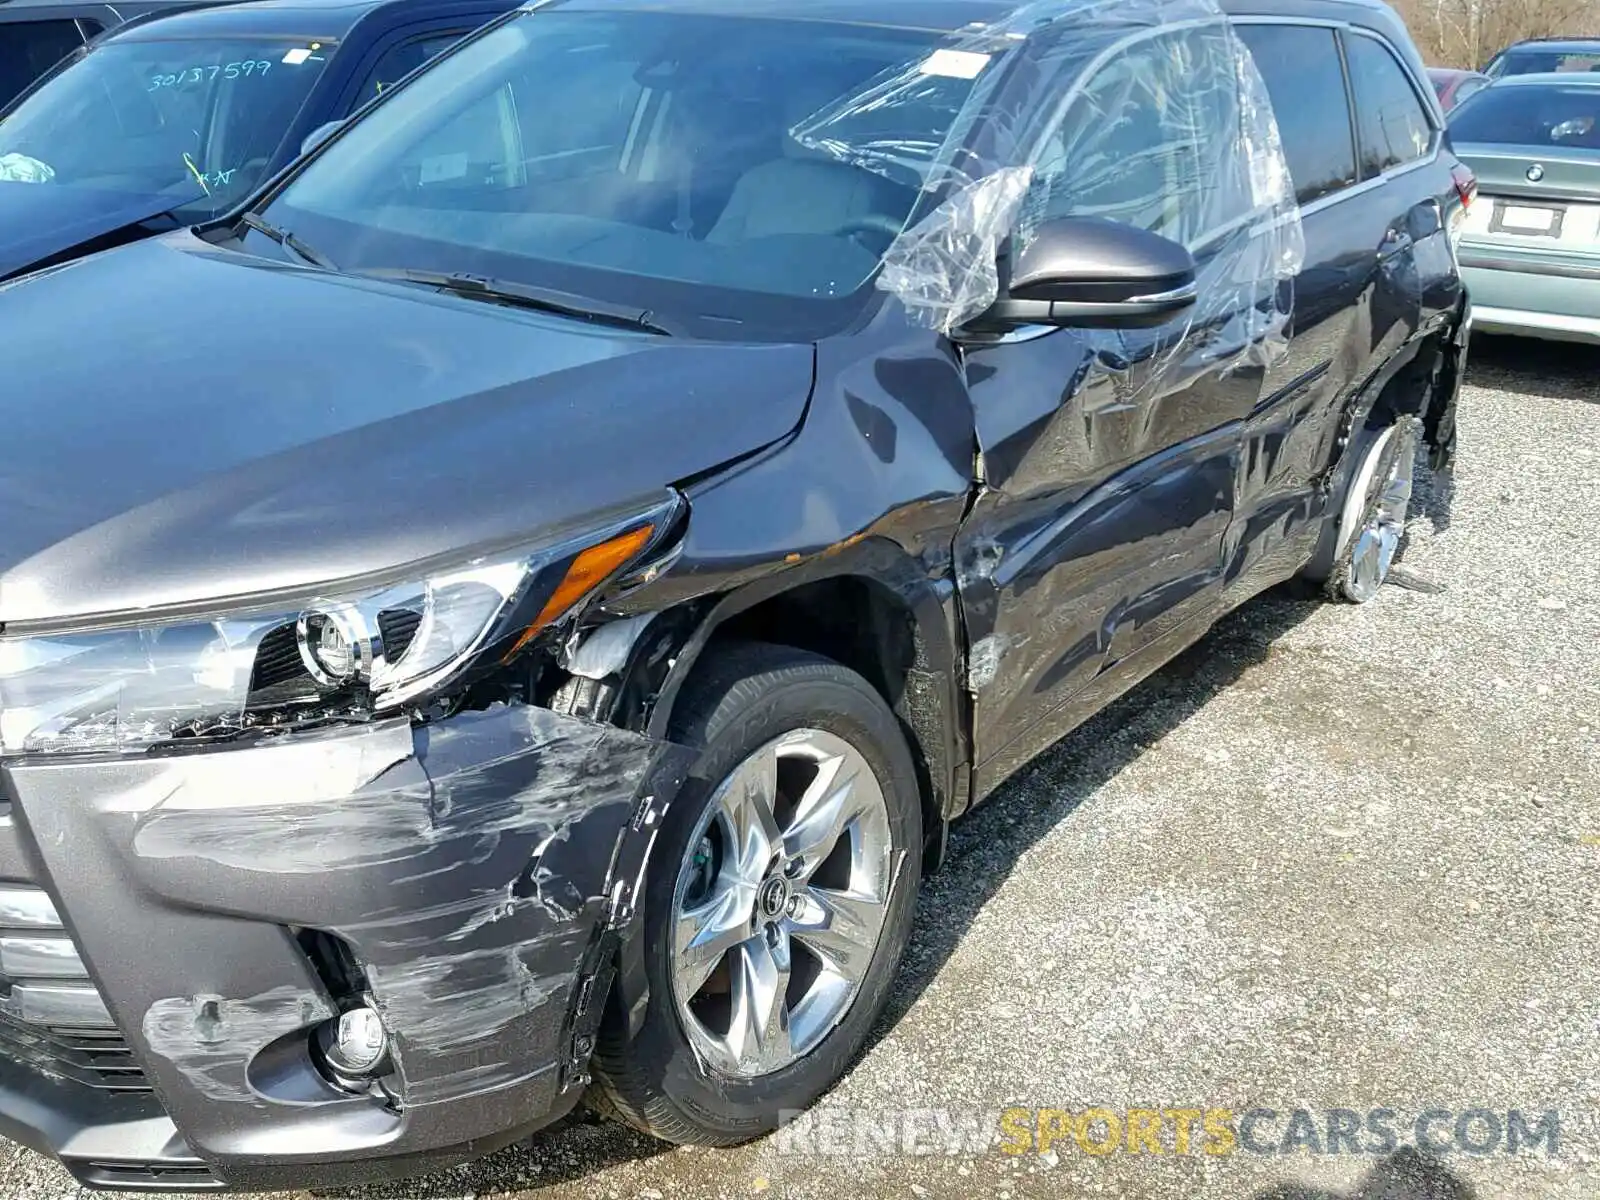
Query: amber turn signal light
x,y
588,571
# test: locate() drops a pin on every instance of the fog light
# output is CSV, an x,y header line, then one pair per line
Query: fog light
x,y
356,1045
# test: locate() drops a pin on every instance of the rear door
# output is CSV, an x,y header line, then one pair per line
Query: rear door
x,y
1285,443
1400,137
1364,140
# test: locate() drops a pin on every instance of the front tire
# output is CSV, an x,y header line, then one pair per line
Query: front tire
x,y
778,901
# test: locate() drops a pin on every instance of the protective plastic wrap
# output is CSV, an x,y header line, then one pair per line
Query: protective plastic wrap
x,y
1150,112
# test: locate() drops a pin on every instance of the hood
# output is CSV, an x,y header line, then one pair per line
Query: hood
x,y
190,424
39,221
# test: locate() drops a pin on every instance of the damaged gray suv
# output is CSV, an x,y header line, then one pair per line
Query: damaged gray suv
x,y
510,613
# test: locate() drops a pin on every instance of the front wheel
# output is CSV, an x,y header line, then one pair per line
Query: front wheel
x,y
778,901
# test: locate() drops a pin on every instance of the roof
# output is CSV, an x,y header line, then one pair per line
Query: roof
x,y
312,18
128,8
1557,45
1550,79
940,16
1450,74
945,16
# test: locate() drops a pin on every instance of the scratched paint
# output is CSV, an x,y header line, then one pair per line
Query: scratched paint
x,y
211,1039
465,864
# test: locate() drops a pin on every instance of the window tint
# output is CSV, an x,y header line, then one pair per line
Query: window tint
x,y
651,157
1305,81
1394,126
1132,146
1539,62
1531,116
197,120
502,140
399,61
28,49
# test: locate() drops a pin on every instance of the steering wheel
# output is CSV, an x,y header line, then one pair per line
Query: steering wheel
x,y
876,227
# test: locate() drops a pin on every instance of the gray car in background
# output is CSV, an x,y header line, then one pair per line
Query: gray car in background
x,y
1538,56
1529,250
37,34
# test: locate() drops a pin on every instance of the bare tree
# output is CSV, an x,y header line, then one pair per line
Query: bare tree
x,y
1466,33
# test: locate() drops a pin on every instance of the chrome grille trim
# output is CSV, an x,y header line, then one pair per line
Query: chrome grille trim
x,y
40,958
51,1015
26,908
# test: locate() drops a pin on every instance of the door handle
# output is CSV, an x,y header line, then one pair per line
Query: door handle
x,y
1396,242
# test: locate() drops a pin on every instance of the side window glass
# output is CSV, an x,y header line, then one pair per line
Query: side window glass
x,y
499,142
1305,81
480,147
1394,124
30,48
399,61
596,123
1133,144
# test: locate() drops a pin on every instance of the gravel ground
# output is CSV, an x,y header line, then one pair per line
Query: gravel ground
x,y
1333,857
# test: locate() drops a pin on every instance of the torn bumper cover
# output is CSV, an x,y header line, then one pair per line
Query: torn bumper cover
x,y
472,870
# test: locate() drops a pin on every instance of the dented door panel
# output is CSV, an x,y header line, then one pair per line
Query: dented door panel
x,y
1098,526
1288,438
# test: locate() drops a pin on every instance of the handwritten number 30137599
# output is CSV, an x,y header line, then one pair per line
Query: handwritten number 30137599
x,y
243,69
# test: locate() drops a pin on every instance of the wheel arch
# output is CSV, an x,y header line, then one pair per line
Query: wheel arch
x,y
875,611
906,648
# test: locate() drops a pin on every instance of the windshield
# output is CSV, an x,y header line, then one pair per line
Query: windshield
x,y
1542,62
196,119
642,157
1530,116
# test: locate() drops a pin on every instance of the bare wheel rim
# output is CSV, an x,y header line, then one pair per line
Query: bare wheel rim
x,y
780,903
1388,501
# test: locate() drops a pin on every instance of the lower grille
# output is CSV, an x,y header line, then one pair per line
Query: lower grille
x,y
51,1016
168,1176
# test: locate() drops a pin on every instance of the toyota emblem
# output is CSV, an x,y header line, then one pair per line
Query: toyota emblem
x,y
1535,173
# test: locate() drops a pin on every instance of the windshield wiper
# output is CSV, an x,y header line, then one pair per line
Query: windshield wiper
x,y
522,295
284,238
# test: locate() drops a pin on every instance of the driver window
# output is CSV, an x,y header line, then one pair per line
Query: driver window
x,y
481,147
1137,143
496,143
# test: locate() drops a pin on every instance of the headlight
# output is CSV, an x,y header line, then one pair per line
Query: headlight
x,y
360,651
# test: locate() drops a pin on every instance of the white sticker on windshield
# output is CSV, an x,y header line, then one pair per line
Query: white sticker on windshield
x,y
954,64
440,167
297,56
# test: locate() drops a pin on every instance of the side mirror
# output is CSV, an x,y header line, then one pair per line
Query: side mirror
x,y
319,135
1091,273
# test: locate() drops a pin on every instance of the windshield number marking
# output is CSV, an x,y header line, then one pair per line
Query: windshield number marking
x,y
244,68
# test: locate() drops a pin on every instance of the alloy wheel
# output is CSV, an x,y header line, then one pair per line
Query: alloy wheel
x,y
780,902
1388,499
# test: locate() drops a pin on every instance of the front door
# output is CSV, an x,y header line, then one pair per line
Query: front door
x,y
1108,459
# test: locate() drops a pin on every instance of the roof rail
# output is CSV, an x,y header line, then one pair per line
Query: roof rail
x,y
1557,37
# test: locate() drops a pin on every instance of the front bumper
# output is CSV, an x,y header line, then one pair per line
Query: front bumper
x,y
472,871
